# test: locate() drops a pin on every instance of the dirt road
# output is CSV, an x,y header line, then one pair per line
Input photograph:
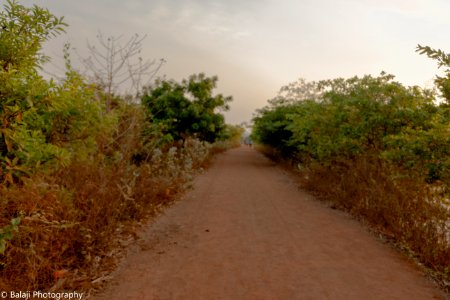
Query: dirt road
x,y
246,232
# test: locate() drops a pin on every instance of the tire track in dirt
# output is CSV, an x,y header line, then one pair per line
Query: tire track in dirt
x,y
246,232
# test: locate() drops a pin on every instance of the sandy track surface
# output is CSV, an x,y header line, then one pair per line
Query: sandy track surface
x,y
246,232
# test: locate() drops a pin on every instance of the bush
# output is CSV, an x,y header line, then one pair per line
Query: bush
x,y
186,109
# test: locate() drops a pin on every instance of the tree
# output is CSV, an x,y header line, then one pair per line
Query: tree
x,y
271,126
443,59
296,91
233,134
22,90
22,32
43,125
352,116
187,109
115,66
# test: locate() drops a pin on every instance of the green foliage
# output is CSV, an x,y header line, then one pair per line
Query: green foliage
x,y
233,134
22,91
426,151
443,59
22,33
44,125
272,127
186,109
23,30
350,117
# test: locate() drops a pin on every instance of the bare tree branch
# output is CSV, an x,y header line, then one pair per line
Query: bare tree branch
x,y
118,66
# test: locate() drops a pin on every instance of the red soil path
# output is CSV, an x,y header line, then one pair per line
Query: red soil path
x,y
246,232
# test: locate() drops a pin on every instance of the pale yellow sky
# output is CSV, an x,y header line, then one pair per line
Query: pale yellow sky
x,y
255,47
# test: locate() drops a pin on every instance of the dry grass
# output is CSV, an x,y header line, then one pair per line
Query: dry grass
x,y
405,210
74,222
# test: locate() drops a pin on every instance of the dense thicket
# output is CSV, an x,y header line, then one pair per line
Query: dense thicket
x,y
376,147
404,125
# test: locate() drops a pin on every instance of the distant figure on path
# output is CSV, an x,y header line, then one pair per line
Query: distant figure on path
x,y
248,141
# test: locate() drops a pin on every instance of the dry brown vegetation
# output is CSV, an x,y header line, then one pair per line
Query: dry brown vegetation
x,y
74,222
405,212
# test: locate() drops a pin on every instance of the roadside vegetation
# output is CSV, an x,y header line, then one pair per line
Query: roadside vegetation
x,y
376,148
80,164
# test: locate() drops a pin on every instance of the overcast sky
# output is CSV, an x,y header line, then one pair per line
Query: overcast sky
x,y
255,47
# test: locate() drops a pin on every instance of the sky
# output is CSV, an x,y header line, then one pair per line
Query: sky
x,y
256,47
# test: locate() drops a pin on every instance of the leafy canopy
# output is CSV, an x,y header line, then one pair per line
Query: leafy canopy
x,y
355,116
187,109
